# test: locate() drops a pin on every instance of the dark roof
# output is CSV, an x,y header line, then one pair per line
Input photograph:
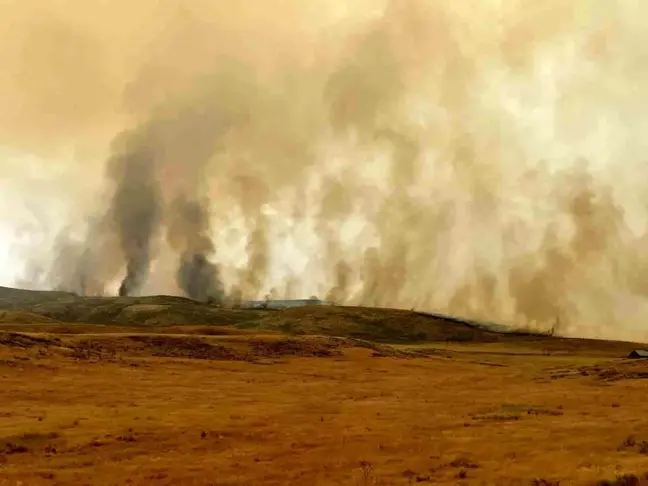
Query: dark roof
x,y
638,353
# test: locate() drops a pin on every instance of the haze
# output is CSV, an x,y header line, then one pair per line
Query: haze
x,y
485,159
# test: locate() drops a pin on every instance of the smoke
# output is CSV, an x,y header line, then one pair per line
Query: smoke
x,y
85,262
188,233
135,207
406,153
252,194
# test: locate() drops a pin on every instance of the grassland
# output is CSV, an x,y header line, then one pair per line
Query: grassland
x,y
224,405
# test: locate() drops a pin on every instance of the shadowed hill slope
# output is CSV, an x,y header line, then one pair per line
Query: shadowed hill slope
x,y
388,325
143,311
24,308
23,317
159,310
19,299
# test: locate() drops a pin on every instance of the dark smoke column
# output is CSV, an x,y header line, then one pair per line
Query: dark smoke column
x,y
135,208
188,233
199,278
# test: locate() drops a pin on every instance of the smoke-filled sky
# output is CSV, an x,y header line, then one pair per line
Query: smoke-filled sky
x,y
483,158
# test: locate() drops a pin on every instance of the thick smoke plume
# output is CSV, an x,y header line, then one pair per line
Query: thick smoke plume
x,y
197,276
479,158
134,208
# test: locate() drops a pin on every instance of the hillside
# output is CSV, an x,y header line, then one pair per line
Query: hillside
x,y
140,311
11,298
387,325
23,317
382,325
157,310
21,309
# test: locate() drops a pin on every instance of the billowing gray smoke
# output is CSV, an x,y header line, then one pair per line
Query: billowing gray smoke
x,y
188,233
159,169
199,278
410,153
135,208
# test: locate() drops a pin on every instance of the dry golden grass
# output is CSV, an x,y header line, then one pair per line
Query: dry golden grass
x,y
466,414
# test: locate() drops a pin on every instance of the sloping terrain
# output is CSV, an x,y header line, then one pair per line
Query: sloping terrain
x,y
146,311
386,325
23,317
131,311
382,325
11,298
66,313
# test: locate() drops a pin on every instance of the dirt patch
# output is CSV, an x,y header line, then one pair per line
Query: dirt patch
x,y
24,341
203,330
614,371
632,370
293,347
153,345
513,411
238,348
625,480
29,443
385,350
186,347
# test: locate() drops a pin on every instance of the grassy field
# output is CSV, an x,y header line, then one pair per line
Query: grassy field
x,y
107,406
